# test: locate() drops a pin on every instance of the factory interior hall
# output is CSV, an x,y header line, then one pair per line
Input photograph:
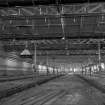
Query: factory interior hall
x,y
52,52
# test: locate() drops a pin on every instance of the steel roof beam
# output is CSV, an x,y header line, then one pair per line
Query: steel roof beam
x,y
48,36
17,17
69,55
60,9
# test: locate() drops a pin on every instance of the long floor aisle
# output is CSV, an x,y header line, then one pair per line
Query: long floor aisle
x,y
67,90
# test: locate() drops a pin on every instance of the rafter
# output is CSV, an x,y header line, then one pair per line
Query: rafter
x,y
28,12
3,12
66,9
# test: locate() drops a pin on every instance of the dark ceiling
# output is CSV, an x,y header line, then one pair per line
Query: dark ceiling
x,y
57,30
10,3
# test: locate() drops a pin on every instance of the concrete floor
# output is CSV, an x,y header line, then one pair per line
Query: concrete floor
x,y
67,90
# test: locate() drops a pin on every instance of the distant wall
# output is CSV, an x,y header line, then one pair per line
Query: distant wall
x,y
14,66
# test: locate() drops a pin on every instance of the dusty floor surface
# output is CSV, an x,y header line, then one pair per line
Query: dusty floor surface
x,y
67,90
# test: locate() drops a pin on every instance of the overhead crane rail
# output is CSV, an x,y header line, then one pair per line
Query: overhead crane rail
x,y
50,16
14,90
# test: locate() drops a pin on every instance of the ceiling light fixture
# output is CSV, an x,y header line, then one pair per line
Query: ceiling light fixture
x,y
63,38
26,51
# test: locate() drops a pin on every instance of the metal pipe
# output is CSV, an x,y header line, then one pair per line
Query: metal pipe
x,y
35,54
63,27
99,56
34,58
47,64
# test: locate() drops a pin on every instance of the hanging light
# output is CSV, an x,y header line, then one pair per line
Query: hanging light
x,y
26,51
63,38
